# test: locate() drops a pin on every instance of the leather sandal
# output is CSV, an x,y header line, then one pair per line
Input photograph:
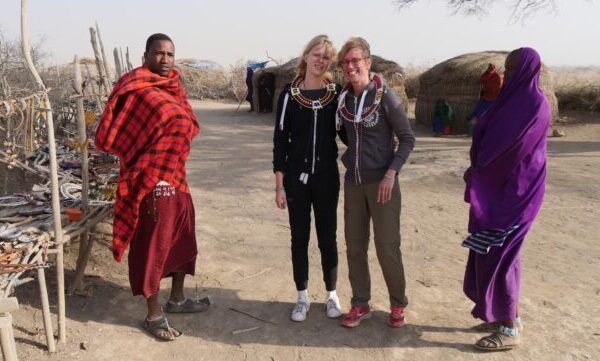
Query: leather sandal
x,y
160,329
498,341
187,306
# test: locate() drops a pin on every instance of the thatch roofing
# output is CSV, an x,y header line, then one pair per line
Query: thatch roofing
x,y
198,63
456,80
201,83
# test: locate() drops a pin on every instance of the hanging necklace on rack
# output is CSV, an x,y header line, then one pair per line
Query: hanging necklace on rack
x,y
40,122
309,103
28,144
10,149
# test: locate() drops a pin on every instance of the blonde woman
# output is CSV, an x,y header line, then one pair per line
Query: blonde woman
x,y
373,115
306,172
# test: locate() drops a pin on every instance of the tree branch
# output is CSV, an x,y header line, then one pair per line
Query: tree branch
x,y
520,9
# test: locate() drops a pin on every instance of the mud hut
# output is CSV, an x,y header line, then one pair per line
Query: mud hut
x,y
283,74
456,80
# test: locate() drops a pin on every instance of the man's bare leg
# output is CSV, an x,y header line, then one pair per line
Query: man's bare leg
x,y
154,312
177,287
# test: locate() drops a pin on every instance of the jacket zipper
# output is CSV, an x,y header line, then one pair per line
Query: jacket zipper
x,y
315,117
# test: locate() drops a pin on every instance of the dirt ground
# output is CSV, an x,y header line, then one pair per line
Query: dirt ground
x,y
244,264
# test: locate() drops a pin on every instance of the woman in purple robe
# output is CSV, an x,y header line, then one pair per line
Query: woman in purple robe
x,y
505,186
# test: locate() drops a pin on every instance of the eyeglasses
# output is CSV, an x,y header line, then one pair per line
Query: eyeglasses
x,y
353,61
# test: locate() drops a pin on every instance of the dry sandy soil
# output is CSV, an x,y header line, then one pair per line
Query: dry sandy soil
x,y
244,264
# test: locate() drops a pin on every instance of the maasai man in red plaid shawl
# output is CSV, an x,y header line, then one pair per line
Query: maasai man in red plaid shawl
x,y
149,124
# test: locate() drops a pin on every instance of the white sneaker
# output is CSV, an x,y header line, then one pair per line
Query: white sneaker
x,y
299,311
333,308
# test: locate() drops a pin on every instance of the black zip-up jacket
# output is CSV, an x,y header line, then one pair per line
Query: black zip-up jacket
x,y
293,146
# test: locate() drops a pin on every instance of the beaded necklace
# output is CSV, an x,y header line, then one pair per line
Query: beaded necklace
x,y
313,104
368,111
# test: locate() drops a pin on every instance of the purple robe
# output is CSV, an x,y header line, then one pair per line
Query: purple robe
x,y
505,186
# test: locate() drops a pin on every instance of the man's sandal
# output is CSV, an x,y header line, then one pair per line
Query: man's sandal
x,y
498,341
187,306
161,329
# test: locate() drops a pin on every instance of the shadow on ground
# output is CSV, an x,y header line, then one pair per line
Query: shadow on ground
x,y
232,320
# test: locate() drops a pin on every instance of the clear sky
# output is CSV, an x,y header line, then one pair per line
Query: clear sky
x,y
226,31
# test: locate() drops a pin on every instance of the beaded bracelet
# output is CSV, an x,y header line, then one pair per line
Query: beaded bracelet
x,y
279,189
388,176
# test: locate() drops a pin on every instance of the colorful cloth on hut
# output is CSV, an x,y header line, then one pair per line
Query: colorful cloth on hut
x,y
442,118
505,185
481,107
149,124
491,83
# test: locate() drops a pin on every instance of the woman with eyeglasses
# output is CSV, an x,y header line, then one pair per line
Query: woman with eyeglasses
x,y
372,115
306,172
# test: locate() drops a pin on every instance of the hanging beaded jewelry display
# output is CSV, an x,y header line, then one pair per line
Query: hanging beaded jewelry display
x,y
22,137
312,104
369,116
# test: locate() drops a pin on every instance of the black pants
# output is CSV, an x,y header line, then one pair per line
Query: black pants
x,y
322,193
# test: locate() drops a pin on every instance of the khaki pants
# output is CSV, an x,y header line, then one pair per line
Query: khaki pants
x,y
360,206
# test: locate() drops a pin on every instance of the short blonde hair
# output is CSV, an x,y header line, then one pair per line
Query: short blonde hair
x,y
316,41
354,42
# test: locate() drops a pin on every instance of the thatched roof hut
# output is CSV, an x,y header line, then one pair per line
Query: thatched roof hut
x,y
456,80
392,72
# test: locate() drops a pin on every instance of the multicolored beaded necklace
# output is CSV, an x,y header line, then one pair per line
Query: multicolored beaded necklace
x,y
366,112
313,104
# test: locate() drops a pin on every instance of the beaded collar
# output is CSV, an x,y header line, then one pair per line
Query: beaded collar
x,y
368,111
309,103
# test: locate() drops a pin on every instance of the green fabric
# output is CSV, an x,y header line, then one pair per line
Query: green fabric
x,y
444,111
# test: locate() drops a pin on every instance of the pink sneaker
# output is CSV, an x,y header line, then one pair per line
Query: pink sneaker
x,y
355,316
396,316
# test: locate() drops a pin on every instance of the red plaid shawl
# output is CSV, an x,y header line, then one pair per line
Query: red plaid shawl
x,y
149,124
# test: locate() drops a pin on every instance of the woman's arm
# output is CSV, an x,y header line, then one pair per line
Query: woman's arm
x,y
281,138
395,115
397,119
280,197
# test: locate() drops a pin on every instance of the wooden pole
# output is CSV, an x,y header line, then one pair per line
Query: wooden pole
x,y
94,85
125,69
88,76
103,79
83,140
46,310
60,271
82,130
7,338
129,65
117,63
82,261
105,62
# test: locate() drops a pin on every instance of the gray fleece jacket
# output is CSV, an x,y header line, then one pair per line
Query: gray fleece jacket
x,y
371,145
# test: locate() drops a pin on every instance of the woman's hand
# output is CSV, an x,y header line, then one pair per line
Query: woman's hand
x,y
280,198
386,185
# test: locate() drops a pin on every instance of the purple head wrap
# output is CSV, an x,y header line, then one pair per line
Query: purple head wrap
x,y
506,180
